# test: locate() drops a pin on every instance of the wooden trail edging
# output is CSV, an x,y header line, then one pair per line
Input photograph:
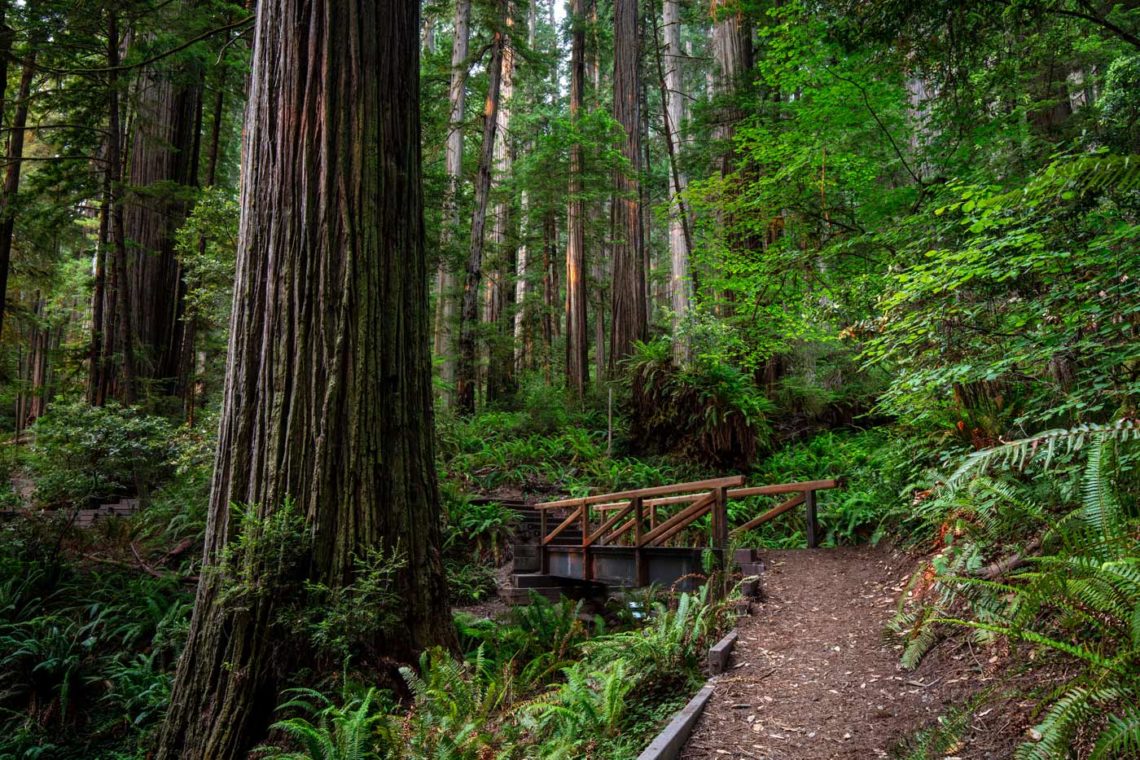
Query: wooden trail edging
x,y
668,744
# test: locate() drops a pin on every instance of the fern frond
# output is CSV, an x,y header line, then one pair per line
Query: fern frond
x,y
1020,451
1120,738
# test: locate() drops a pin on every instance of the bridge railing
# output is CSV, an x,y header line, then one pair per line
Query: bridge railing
x,y
603,519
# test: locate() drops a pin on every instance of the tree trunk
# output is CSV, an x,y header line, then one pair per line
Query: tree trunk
x,y
7,37
193,387
630,316
577,347
327,402
445,313
112,344
12,177
500,364
732,53
163,168
469,316
680,282
521,343
550,307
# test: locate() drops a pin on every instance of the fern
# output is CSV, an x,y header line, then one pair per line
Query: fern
x,y
1121,738
351,732
1082,600
1015,454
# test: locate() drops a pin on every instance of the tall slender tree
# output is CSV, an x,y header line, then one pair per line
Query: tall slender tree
x,y
577,345
522,258
327,403
11,188
673,98
732,54
446,311
469,314
500,364
630,311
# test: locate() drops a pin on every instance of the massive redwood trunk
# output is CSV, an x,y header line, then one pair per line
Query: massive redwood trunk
x,y
162,172
328,402
630,320
577,345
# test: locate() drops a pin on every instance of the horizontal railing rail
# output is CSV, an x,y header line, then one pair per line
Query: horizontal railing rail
x,y
621,516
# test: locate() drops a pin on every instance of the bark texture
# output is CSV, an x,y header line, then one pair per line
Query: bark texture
x,y
12,175
630,311
500,356
577,345
446,311
466,380
112,352
680,281
327,401
162,171
732,52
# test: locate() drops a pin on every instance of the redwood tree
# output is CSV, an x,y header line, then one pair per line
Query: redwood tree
x,y
469,314
630,307
327,403
577,346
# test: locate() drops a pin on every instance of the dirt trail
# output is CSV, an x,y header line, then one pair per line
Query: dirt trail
x,y
813,675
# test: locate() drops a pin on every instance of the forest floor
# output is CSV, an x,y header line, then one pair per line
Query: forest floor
x,y
814,676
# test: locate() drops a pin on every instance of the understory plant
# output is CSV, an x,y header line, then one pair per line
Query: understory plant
x,y
708,411
543,683
1066,584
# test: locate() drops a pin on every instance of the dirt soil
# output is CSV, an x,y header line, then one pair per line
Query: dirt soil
x,y
814,675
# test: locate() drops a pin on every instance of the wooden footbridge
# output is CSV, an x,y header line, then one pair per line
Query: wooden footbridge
x,y
648,535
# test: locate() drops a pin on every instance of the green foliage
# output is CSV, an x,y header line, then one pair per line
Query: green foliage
x,y
479,529
262,558
1079,599
541,684
1017,313
876,467
708,411
86,652
206,247
84,454
349,731
346,621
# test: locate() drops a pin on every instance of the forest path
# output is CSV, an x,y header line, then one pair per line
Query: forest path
x,y
813,675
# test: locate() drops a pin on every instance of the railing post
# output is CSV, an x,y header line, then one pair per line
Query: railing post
x,y
812,523
587,566
544,561
640,570
720,525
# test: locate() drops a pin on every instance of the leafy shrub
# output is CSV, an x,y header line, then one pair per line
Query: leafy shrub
x,y
350,731
86,454
469,582
478,530
345,622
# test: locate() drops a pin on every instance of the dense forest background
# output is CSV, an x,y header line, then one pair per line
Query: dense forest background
x,y
894,242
